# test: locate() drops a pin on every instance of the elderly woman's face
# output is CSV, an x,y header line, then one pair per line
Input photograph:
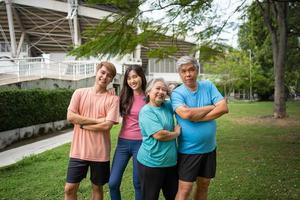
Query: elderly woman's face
x,y
158,93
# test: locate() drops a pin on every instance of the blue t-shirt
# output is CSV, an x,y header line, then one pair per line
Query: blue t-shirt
x,y
196,137
155,153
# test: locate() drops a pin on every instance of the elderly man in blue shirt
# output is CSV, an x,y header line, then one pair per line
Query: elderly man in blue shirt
x,y
197,104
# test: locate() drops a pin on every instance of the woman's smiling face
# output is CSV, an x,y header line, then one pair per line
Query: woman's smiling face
x,y
158,93
134,81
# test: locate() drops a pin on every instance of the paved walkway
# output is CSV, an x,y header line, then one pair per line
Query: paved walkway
x,y
13,155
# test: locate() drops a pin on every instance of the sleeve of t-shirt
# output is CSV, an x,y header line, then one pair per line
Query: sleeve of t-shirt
x,y
149,122
113,111
75,102
177,100
216,96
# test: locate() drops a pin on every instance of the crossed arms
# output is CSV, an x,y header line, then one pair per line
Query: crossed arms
x,y
89,123
205,113
164,135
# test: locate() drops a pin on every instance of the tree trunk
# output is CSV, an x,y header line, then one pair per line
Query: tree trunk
x,y
279,92
277,12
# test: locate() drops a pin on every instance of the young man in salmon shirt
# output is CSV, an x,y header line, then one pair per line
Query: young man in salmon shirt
x,y
93,111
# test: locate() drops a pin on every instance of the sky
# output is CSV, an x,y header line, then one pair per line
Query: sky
x,y
226,9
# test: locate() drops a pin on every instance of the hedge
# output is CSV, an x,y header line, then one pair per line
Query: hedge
x,y
21,108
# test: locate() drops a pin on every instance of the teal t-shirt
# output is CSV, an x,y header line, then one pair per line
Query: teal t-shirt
x,y
155,153
196,137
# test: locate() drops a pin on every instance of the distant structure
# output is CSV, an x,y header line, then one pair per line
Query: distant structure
x,y
36,36
166,68
49,26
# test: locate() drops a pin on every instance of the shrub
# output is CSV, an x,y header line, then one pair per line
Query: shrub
x,y
21,108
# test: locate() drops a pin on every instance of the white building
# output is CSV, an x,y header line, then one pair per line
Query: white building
x,y
48,29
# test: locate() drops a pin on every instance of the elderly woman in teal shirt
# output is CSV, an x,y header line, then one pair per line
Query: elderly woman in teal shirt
x,y
157,156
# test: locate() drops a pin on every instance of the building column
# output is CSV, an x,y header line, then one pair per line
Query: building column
x,y
10,19
77,39
73,21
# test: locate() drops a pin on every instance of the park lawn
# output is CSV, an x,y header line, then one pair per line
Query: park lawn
x,y
258,158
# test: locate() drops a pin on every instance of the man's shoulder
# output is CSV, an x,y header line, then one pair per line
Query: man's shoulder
x,y
179,87
108,100
178,90
79,90
82,91
113,97
206,83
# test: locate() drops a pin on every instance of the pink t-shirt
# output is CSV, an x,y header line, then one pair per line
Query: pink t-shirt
x,y
130,127
91,145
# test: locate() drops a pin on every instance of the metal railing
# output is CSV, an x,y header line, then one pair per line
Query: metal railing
x,y
39,67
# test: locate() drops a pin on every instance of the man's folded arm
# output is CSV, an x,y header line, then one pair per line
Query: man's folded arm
x,y
193,114
220,109
75,118
102,126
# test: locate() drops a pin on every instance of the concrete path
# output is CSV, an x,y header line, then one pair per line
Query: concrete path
x,y
13,155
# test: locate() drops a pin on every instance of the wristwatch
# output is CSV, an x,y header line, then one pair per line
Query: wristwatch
x,y
81,126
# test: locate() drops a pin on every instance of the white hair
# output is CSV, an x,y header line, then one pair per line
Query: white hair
x,y
151,84
185,60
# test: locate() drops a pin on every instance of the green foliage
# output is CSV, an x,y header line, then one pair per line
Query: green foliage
x,y
292,75
21,108
258,158
162,52
233,70
118,37
211,52
254,35
118,33
102,40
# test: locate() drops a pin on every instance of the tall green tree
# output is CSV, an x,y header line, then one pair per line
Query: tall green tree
x,y
275,14
293,56
254,35
254,39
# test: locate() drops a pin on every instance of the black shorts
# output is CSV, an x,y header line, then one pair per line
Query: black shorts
x,y
191,166
77,170
154,179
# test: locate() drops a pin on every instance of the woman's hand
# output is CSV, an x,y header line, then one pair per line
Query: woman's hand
x,y
177,129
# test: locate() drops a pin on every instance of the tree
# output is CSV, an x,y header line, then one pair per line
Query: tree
x,y
233,69
253,38
275,17
181,18
254,35
293,56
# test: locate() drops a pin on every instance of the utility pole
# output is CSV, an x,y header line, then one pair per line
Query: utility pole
x,y
250,75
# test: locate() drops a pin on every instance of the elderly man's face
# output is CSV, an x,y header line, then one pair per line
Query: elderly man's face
x,y
188,74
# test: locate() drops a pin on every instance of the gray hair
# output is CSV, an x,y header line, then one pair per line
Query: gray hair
x,y
151,84
185,60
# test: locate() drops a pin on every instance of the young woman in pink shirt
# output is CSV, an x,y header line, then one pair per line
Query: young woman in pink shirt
x,y
130,138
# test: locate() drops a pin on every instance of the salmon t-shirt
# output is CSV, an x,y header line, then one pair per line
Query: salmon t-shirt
x,y
91,145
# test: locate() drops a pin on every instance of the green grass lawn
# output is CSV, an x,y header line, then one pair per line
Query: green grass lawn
x,y
258,158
